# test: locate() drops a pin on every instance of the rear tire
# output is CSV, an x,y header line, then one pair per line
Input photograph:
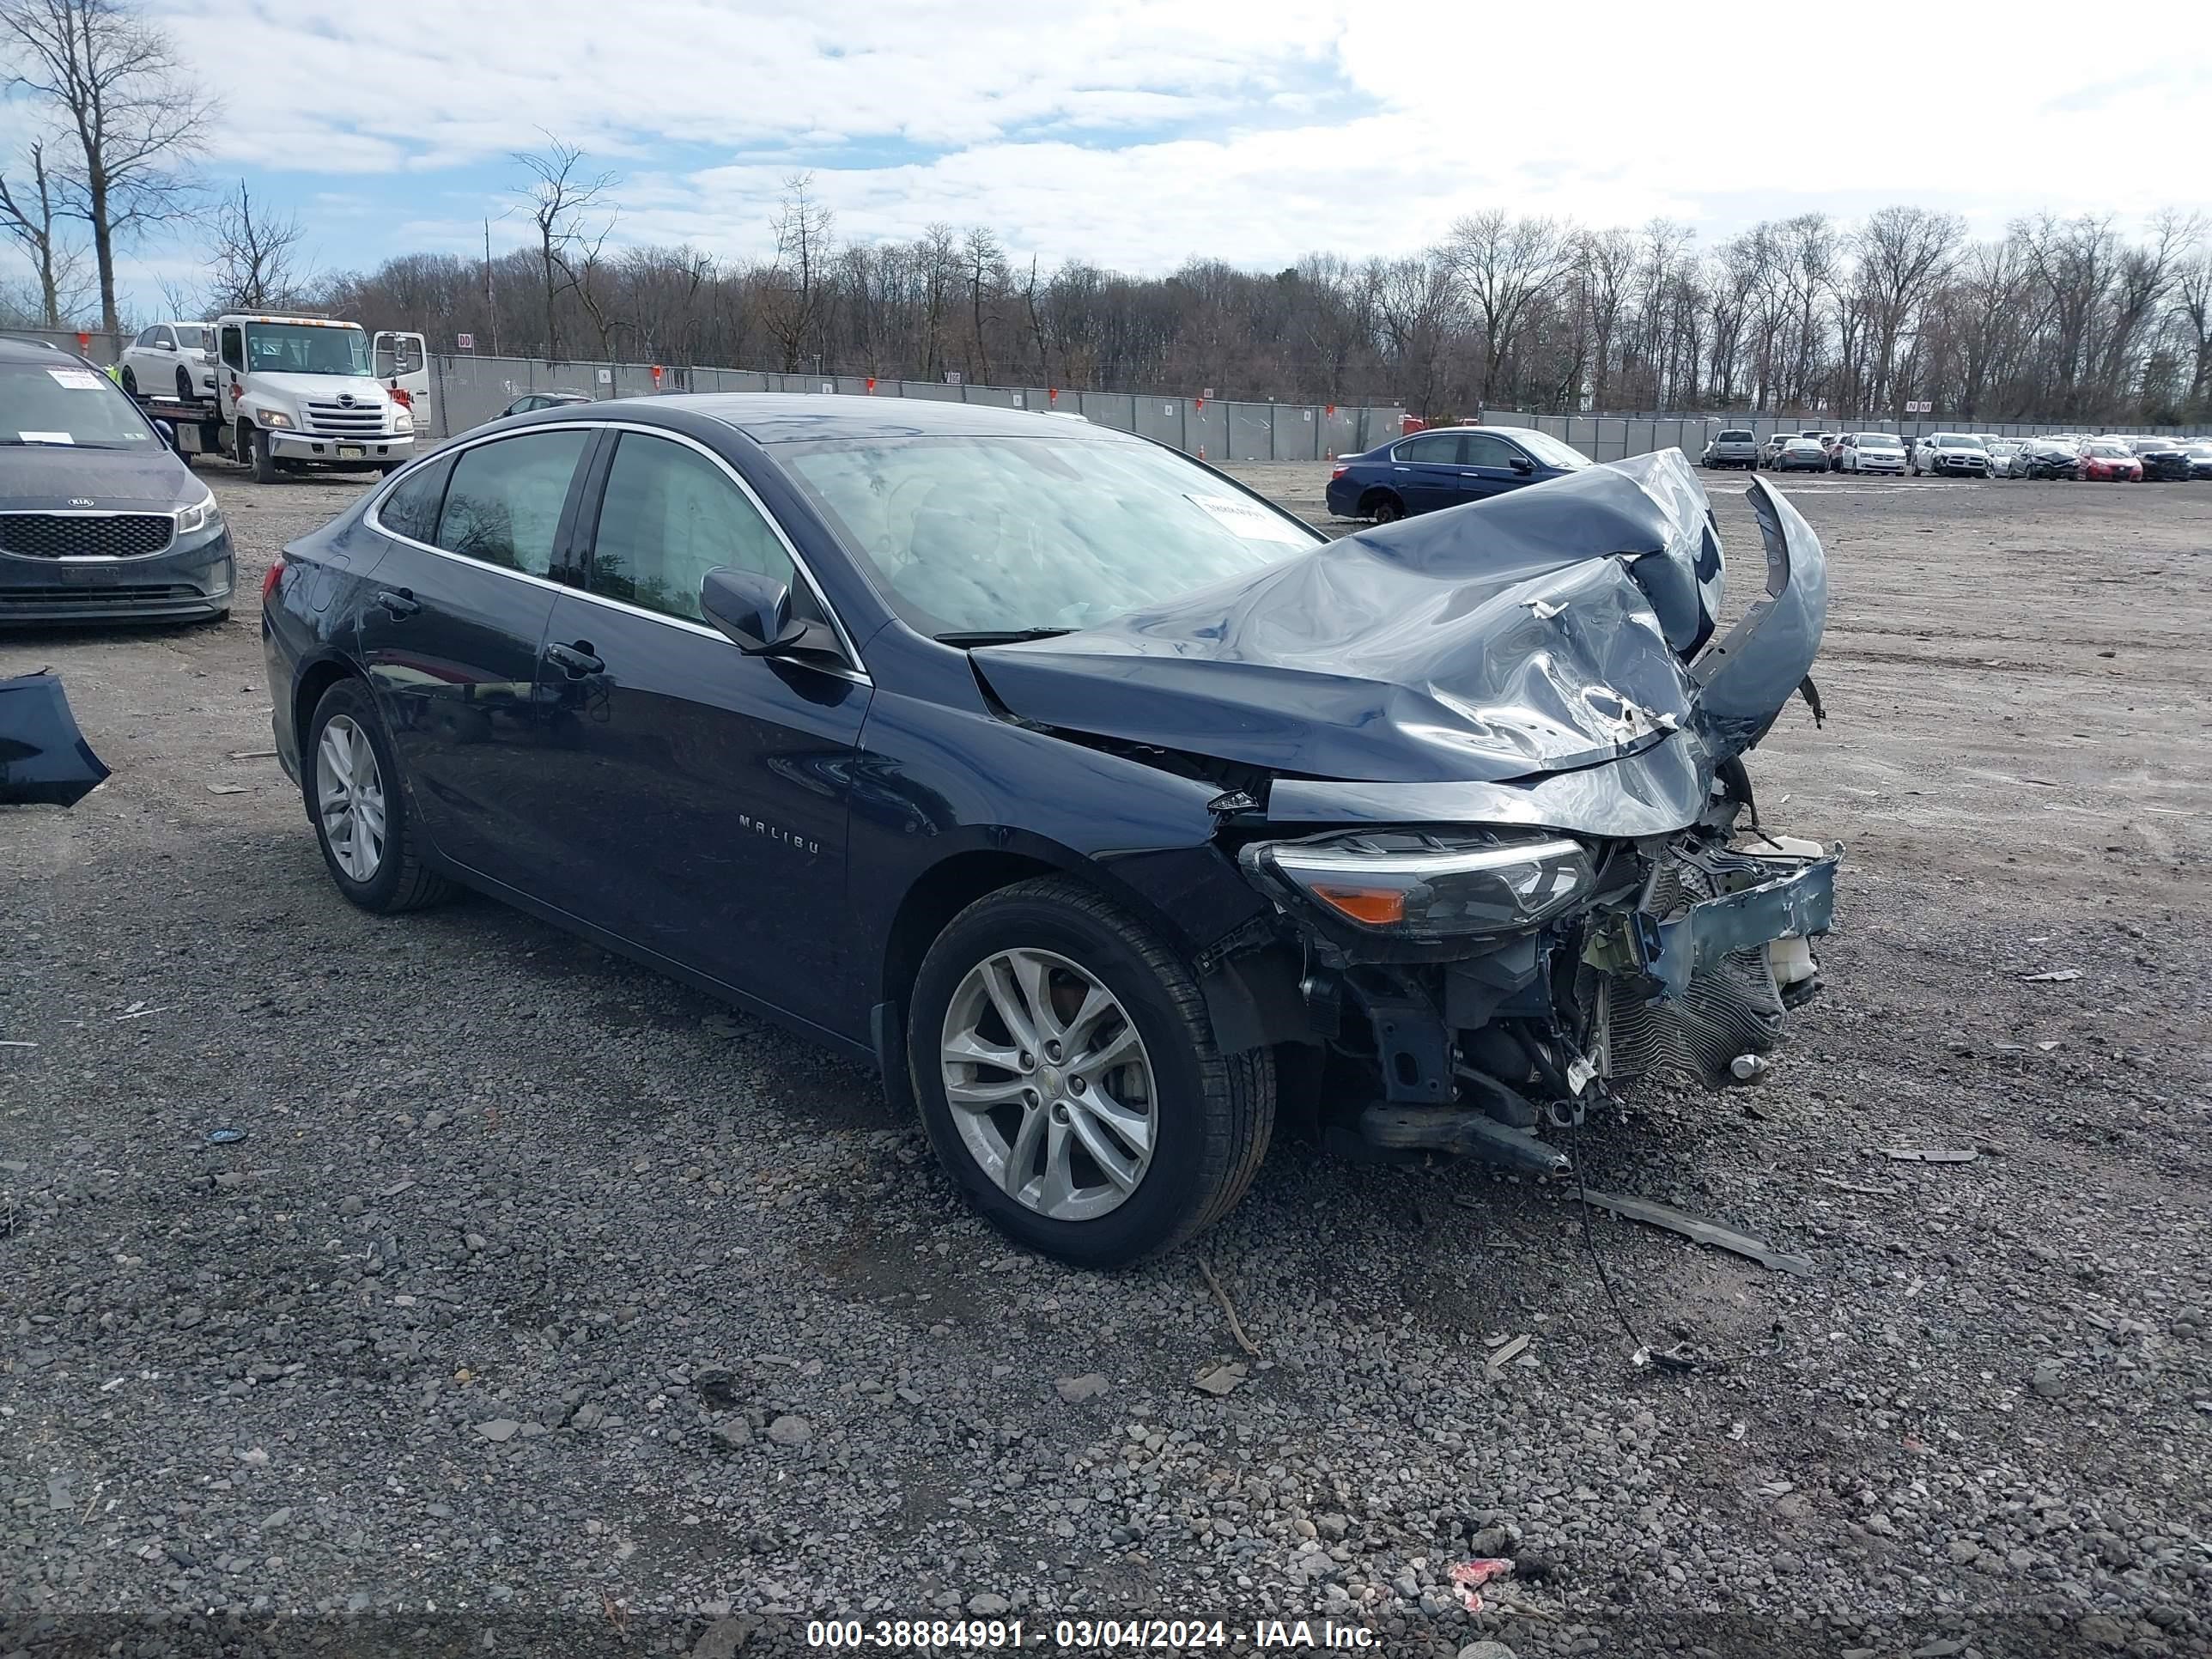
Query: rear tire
x,y
184,385
357,801
1387,509
130,380
264,463
1206,1117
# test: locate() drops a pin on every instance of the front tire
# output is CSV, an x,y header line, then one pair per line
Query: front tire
x,y
129,381
258,451
359,806
1069,1079
184,385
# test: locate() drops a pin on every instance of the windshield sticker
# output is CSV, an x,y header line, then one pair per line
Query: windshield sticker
x,y
1248,519
44,438
78,379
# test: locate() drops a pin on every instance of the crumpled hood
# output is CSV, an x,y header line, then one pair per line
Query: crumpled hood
x,y
1546,630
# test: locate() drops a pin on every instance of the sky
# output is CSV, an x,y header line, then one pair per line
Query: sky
x,y
1137,134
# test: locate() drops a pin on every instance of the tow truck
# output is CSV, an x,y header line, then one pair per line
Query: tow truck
x,y
298,393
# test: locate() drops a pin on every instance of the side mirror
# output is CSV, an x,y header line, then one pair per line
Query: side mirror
x,y
169,433
1523,464
754,611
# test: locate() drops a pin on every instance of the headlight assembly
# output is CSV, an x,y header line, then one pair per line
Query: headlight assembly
x,y
402,421
275,419
1413,885
202,518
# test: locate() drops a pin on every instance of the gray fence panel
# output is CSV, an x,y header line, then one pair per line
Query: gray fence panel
x,y
931,390
1339,432
1116,409
1248,432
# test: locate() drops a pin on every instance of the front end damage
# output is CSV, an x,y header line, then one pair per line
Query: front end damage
x,y
1487,766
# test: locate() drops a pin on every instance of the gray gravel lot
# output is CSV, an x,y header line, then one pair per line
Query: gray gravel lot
x,y
540,1287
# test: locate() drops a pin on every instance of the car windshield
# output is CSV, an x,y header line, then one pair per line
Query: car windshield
x,y
2111,451
1955,441
302,349
66,403
1009,535
1876,440
1549,450
192,337
2002,446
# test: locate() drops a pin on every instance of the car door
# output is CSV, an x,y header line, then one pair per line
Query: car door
x,y
1425,471
452,618
1492,467
702,792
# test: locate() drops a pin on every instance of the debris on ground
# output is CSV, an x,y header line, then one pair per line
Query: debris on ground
x,y
1077,1389
2056,976
1931,1154
1220,1377
1714,1233
1503,1355
1468,1576
1228,1308
226,789
225,1137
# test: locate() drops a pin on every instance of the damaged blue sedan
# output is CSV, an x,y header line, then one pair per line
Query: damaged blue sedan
x,y
1110,811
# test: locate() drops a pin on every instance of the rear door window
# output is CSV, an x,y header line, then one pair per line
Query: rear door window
x,y
503,501
1483,450
1431,449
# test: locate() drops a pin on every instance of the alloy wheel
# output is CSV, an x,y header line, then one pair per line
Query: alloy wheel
x,y
1049,1085
349,797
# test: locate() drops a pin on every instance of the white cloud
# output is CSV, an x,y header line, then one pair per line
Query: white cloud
x,y
1250,130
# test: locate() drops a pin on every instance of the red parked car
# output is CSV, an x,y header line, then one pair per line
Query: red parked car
x,y
2110,458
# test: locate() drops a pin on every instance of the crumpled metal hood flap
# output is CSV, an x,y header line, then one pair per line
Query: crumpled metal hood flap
x,y
1546,630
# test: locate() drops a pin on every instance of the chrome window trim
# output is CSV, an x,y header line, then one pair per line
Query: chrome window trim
x,y
857,672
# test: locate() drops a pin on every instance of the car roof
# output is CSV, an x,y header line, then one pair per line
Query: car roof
x,y
772,417
15,351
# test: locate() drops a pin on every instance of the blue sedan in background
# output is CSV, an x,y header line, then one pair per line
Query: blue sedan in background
x,y
1445,467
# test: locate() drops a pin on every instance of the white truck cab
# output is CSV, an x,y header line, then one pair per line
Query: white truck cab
x,y
307,392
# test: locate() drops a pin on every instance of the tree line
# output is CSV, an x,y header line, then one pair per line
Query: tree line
x,y
2057,319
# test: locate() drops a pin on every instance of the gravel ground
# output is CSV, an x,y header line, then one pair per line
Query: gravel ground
x,y
544,1299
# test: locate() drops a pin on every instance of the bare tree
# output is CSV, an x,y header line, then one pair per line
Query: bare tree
x,y
30,212
561,199
1905,254
254,255
803,255
1505,264
111,80
983,261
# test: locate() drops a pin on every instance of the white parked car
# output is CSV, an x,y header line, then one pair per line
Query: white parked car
x,y
1874,452
171,360
1951,452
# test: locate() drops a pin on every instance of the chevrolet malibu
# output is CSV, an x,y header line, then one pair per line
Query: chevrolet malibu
x,y
1112,812
101,520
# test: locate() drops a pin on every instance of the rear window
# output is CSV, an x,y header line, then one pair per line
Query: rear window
x,y
1735,437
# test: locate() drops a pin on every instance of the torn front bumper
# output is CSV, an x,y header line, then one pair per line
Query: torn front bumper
x,y
1784,900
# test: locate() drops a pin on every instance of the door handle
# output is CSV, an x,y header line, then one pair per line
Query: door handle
x,y
577,659
400,602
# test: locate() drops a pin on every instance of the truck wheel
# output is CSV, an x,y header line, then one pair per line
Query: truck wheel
x,y
264,463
